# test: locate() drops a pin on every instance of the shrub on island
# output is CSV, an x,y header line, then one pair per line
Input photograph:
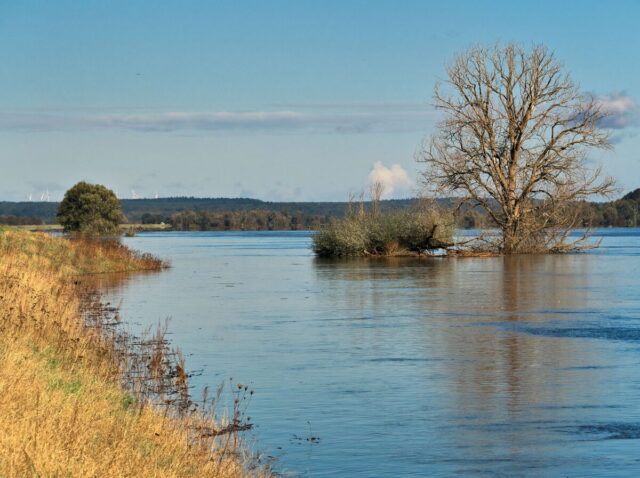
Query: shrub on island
x,y
385,234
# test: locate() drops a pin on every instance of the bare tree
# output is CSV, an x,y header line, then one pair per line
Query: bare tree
x,y
361,213
514,141
376,190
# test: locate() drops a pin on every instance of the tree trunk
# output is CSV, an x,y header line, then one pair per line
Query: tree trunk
x,y
513,143
510,238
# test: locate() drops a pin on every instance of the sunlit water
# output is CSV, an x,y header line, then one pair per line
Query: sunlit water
x,y
520,366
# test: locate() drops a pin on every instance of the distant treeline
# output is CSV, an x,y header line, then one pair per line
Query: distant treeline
x,y
253,214
623,212
11,220
135,208
256,220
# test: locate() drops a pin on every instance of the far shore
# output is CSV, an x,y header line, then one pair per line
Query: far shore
x,y
123,227
137,227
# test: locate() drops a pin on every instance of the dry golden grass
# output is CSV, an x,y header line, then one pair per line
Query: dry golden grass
x,y
63,408
79,255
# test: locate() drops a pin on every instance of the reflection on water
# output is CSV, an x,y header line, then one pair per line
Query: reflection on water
x,y
519,366
115,282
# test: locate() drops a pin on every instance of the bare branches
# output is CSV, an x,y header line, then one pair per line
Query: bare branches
x,y
514,141
375,191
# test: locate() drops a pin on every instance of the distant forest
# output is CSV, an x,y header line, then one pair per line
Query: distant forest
x,y
184,213
163,209
11,220
256,220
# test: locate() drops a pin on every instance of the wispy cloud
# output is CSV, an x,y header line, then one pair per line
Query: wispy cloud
x,y
622,110
288,121
359,106
300,118
76,108
394,179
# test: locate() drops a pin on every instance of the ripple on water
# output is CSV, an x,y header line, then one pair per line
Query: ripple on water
x,y
576,330
608,431
407,359
629,334
475,367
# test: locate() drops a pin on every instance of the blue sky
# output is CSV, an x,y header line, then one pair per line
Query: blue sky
x,y
279,100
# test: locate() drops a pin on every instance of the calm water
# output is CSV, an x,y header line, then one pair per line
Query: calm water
x,y
522,366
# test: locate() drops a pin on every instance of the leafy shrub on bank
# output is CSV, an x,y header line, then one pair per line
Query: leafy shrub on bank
x,y
385,234
90,209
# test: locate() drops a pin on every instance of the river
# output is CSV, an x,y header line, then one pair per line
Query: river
x,y
515,366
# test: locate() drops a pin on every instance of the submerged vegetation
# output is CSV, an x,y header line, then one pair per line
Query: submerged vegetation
x,y
375,233
80,397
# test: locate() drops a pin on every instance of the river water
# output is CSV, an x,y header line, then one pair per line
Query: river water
x,y
518,366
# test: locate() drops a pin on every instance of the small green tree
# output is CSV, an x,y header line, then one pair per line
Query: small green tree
x,y
90,209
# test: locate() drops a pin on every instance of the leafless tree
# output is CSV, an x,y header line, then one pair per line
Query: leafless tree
x,y
514,141
361,212
376,190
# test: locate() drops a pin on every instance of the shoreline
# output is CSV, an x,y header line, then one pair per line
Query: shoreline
x,y
80,396
124,228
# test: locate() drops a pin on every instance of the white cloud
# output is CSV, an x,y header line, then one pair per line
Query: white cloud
x,y
622,110
394,119
394,179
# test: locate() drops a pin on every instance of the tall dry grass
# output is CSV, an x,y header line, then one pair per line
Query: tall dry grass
x,y
79,254
80,398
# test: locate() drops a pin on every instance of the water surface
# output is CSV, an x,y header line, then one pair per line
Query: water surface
x,y
519,366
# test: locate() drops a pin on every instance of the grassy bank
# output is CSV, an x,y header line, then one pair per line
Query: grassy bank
x,y
77,255
77,397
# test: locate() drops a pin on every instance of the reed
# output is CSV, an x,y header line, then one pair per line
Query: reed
x,y
79,397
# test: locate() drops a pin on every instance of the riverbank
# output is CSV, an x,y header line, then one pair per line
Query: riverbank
x,y
123,227
80,398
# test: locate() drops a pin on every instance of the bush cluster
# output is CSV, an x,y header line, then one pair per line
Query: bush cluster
x,y
385,234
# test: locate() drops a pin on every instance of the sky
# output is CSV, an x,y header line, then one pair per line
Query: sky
x,y
302,100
